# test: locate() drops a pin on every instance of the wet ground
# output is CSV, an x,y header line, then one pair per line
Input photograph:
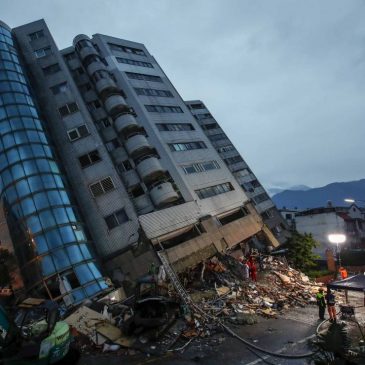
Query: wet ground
x,y
289,334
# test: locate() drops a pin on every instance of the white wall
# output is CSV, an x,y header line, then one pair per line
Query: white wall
x,y
320,226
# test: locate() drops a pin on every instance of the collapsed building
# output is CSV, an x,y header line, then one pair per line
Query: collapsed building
x,y
103,163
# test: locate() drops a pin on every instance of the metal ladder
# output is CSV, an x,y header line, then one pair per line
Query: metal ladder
x,y
174,278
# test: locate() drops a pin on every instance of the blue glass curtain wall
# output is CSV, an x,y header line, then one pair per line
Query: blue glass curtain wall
x,y
47,234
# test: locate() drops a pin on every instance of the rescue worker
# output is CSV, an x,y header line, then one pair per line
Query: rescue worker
x,y
331,305
253,269
321,304
343,273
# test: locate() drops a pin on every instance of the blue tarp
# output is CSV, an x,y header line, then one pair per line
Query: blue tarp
x,y
354,283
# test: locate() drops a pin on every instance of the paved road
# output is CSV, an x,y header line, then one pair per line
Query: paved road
x,y
288,334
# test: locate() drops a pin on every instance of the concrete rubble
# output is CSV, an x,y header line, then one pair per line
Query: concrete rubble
x,y
219,293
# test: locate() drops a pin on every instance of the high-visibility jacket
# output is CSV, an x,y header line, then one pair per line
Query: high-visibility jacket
x,y
343,273
320,300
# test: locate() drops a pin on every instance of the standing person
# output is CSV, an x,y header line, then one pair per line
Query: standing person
x,y
343,273
246,270
331,305
253,269
321,303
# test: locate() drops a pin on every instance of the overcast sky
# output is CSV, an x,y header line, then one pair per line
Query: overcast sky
x,y
285,79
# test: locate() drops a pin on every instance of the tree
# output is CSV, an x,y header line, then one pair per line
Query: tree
x,y
7,266
300,251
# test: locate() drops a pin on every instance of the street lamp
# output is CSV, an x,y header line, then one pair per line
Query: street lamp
x,y
337,238
352,201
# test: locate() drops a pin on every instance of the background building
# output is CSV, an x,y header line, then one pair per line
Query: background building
x,y
321,222
143,172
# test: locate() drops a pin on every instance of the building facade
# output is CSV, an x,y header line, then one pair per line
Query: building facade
x,y
47,232
321,222
240,170
144,174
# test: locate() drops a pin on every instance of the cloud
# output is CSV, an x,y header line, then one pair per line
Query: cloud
x,y
285,79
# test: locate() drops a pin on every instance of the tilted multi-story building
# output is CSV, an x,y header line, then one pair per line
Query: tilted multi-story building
x,y
47,233
240,170
143,173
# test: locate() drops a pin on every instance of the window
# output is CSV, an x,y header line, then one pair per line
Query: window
x,y
184,146
77,71
197,106
93,105
85,87
200,167
59,88
89,159
116,219
136,191
260,198
255,183
112,145
102,123
70,56
68,109
203,116
52,69
217,137
226,148
101,74
135,76
42,52
163,109
248,187
154,92
232,160
78,132
134,62
175,127
102,187
210,126
36,35
83,43
214,190
125,166
120,48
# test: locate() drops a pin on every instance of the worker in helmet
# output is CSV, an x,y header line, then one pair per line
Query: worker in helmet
x,y
343,273
321,302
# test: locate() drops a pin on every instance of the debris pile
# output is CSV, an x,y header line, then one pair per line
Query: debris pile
x,y
221,290
218,291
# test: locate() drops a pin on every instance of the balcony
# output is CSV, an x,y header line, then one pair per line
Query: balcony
x,y
130,178
95,66
87,51
137,144
104,86
115,103
125,123
150,169
143,204
163,194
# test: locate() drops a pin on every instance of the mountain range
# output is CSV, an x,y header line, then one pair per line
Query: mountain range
x,y
319,197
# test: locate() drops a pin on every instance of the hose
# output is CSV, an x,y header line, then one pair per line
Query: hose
x,y
247,343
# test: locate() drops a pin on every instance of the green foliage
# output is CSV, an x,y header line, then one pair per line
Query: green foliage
x,y
7,265
300,253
